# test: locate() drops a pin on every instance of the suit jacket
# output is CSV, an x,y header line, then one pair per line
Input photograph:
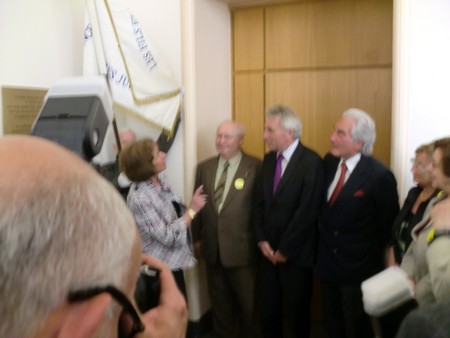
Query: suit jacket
x,y
405,235
288,219
357,229
231,232
428,264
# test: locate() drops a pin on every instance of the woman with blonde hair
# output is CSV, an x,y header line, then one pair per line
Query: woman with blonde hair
x,y
415,203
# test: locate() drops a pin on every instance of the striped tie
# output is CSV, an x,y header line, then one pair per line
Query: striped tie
x,y
218,193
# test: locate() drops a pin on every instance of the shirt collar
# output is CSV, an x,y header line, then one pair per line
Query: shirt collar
x,y
232,161
351,162
287,153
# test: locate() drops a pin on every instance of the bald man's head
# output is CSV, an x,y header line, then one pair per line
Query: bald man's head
x,y
62,227
229,138
28,158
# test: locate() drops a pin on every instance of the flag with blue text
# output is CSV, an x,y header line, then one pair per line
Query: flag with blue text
x,y
140,83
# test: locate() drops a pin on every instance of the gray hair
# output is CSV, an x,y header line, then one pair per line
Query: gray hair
x,y
60,232
363,130
289,120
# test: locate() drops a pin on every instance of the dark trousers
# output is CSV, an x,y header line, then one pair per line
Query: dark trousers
x,y
343,311
232,295
178,275
285,300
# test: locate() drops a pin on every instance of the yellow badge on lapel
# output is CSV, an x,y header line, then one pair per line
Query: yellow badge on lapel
x,y
239,183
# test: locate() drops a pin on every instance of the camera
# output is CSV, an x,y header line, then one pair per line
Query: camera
x,y
147,288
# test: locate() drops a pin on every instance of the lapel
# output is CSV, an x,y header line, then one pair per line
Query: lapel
x,y
409,202
242,172
290,169
332,163
359,175
211,171
270,160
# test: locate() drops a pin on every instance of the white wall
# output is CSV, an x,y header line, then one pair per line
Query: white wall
x,y
213,68
41,41
207,81
421,80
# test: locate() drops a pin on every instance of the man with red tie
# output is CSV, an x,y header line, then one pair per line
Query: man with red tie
x,y
286,219
359,207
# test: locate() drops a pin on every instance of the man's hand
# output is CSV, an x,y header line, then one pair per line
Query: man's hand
x,y
279,258
266,250
169,318
274,257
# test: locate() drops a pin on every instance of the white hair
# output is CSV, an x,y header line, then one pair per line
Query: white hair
x,y
363,130
289,120
59,233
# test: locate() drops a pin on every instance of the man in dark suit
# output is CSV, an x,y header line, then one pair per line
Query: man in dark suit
x,y
359,207
286,226
225,234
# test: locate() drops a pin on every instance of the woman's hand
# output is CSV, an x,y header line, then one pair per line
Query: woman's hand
x,y
198,200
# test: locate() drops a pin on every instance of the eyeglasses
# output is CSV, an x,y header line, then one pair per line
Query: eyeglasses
x,y
418,165
128,308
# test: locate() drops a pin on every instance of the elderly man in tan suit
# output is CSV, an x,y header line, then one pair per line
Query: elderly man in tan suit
x,y
224,232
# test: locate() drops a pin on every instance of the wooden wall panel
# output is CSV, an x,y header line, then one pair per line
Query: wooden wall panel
x,y
248,39
329,34
249,110
320,98
321,57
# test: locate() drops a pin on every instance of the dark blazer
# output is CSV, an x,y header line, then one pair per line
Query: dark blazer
x,y
288,219
405,234
356,230
231,233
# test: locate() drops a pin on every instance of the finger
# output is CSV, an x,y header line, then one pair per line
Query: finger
x,y
166,276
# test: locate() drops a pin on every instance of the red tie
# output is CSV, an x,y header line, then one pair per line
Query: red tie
x,y
339,184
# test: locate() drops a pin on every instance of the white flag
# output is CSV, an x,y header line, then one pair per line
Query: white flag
x,y
140,84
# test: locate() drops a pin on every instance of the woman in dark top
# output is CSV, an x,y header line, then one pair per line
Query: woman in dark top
x,y
415,203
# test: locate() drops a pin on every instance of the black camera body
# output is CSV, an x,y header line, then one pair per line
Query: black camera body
x,y
148,288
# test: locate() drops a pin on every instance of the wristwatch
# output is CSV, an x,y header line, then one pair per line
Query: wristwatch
x,y
436,233
191,213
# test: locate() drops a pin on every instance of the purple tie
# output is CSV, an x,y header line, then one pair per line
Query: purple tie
x,y
339,184
277,176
